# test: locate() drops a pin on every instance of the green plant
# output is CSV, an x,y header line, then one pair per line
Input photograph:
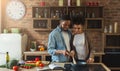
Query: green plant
x,y
33,45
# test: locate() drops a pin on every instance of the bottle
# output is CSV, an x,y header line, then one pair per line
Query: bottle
x,y
110,28
52,14
57,13
105,29
60,2
115,27
69,2
45,13
37,14
7,57
78,2
93,15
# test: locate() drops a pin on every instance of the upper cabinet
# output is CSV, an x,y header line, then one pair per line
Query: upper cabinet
x,y
112,40
94,17
47,18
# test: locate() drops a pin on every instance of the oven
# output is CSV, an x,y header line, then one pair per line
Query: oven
x,y
112,59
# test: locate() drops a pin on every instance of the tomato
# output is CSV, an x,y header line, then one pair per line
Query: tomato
x,y
41,65
27,67
15,68
37,59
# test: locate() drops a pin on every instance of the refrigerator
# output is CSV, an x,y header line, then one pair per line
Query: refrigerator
x,y
12,43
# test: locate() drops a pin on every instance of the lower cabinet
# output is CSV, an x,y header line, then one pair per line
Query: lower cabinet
x,y
32,57
97,59
43,55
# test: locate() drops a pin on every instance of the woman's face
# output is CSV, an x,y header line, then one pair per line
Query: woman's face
x,y
77,29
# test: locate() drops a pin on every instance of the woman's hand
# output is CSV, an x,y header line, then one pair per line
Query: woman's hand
x,y
72,53
90,60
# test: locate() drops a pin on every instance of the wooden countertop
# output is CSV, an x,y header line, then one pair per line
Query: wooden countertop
x,y
46,52
36,53
43,54
38,69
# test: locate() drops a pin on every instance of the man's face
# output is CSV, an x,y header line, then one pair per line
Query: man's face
x,y
65,24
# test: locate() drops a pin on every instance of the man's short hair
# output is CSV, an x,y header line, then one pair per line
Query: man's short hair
x,y
65,17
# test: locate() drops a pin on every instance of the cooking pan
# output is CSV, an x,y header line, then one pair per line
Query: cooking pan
x,y
76,66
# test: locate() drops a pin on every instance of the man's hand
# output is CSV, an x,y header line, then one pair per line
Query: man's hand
x,y
64,52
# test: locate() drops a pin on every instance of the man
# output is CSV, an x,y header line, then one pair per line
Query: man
x,y
59,41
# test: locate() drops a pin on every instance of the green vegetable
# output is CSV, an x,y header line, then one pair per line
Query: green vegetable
x,y
12,63
2,66
32,65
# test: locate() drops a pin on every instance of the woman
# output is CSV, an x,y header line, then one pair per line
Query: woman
x,y
80,42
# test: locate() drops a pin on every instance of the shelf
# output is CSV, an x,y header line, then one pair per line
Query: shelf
x,y
41,18
43,54
42,30
59,18
68,6
93,18
113,47
95,6
98,53
49,20
94,30
111,33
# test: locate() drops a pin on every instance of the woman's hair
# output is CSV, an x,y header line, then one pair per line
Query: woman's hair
x,y
78,20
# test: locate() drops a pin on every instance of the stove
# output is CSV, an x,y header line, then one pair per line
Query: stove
x,y
112,57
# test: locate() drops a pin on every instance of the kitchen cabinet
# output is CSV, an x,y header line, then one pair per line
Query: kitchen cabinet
x,y
112,51
112,40
31,55
47,18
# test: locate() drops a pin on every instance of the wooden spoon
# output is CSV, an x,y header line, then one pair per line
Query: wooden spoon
x,y
74,61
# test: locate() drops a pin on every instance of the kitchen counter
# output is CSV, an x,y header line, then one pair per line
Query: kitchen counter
x,y
45,53
88,67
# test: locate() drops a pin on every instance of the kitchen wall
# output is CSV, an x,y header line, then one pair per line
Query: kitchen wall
x,y
0,15
111,14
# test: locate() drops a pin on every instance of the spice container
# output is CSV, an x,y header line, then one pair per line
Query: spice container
x,y
69,2
60,2
110,28
78,2
36,14
115,27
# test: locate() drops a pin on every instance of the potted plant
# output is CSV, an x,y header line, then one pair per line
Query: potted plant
x,y
33,46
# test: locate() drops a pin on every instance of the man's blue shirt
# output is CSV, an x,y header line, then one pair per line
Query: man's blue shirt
x,y
56,42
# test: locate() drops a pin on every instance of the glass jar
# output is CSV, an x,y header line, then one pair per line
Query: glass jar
x,y
45,13
78,2
69,2
60,2
57,13
37,13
